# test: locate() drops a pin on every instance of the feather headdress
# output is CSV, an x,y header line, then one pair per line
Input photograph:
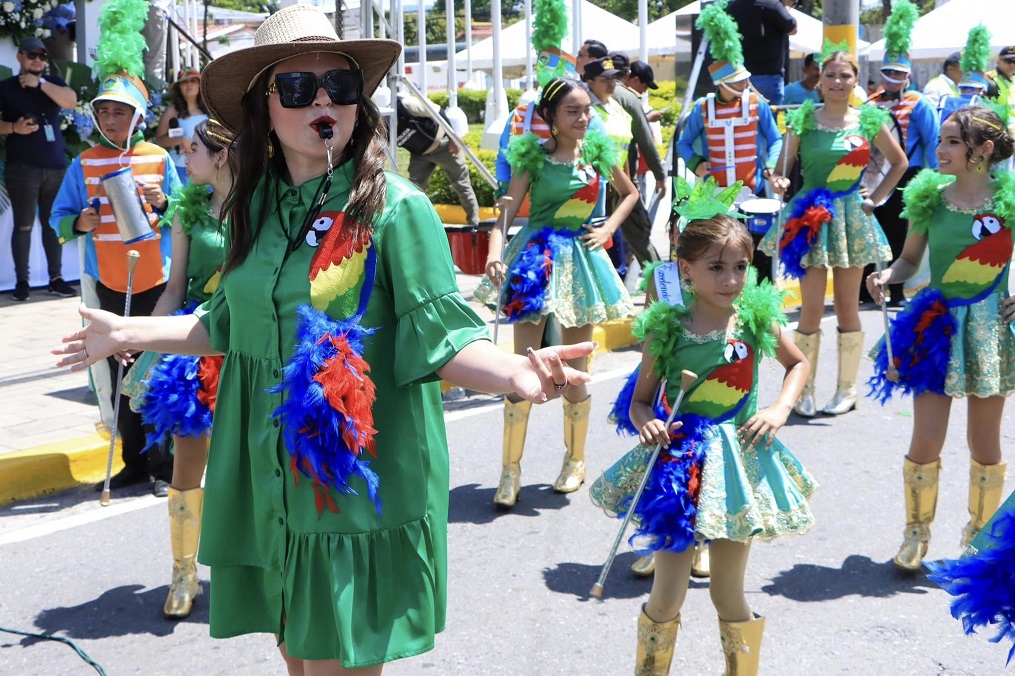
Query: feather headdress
x,y
706,199
119,67
898,38
549,29
724,43
975,58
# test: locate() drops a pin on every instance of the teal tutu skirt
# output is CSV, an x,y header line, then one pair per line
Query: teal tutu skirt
x,y
851,239
583,287
744,494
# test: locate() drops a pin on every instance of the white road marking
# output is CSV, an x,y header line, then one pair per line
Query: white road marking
x,y
116,508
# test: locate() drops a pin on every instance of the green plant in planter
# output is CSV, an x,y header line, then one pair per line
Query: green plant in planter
x,y
440,190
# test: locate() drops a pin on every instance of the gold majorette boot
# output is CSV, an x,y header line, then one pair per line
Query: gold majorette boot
x,y
985,485
809,344
850,352
920,483
516,422
576,430
645,566
656,641
184,533
700,565
741,645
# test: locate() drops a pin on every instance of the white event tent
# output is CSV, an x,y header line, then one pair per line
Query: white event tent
x,y
809,37
515,44
944,30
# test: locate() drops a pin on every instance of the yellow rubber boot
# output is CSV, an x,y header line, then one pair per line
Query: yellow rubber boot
x,y
516,422
576,430
985,485
184,533
656,641
809,344
850,352
741,645
921,482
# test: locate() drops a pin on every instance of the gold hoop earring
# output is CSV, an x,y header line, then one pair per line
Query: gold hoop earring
x,y
271,147
554,130
981,167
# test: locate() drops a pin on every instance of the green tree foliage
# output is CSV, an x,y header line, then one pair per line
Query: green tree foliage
x,y
244,5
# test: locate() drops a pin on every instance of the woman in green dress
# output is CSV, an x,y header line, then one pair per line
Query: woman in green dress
x,y
556,264
179,396
326,519
829,223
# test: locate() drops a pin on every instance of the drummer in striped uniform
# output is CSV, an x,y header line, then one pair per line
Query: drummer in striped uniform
x,y
916,125
731,135
82,209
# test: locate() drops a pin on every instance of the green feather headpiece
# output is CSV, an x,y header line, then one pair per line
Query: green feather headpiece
x,y
830,48
706,199
899,27
976,55
550,26
121,42
724,41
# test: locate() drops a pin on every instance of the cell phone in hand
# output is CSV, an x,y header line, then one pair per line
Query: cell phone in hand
x,y
30,119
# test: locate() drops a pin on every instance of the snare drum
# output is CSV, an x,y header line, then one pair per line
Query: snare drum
x,y
761,214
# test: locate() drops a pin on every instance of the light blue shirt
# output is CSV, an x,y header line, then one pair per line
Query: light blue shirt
x,y
796,94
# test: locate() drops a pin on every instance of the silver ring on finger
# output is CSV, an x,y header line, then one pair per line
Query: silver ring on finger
x,y
84,351
560,386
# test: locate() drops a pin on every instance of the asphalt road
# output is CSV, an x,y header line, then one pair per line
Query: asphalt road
x,y
519,581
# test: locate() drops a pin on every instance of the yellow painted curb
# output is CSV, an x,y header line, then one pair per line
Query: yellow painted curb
x,y
454,213
792,289
614,335
54,467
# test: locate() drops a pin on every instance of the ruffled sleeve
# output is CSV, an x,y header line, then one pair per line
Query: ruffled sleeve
x,y
872,119
760,306
191,203
664,323
801,120
921,197
433,321
525,154
599,151
1004,198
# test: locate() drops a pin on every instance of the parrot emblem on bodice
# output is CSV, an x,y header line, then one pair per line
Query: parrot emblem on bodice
x,y
845,175
722,393
976,271
338,266
576,211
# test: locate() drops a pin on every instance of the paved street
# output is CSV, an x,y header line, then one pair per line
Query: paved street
x,y
518,600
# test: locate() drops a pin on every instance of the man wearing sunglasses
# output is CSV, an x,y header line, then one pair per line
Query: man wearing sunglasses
x,y
30,106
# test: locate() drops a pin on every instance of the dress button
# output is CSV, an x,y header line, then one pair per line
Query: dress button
x,y
274,374
274,422
281,521
293,192
278,472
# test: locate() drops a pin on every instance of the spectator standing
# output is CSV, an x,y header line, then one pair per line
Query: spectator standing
x,y
1003,78
637,227
807,88
765,26
119,108
947,82
189,111
430,147
30,106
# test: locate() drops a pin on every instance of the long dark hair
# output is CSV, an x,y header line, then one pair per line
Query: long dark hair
x,y
366,149
180,103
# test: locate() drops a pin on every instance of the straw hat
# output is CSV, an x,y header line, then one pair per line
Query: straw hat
x,y
291,31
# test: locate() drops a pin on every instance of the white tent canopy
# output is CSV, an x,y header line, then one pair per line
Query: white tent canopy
x,y
809,37
597,24
943,31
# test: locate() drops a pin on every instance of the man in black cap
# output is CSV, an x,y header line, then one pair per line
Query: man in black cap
x,y
637,228
1004,77
30,106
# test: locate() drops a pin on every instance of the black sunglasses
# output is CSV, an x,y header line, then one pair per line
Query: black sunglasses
x,y
41,56
298,90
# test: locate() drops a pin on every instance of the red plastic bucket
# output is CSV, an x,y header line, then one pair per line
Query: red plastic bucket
x,y
469,246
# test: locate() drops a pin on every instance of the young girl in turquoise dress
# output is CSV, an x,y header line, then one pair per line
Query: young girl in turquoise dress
x,y
337,313
556,264
952,341
722,476
829,224
179,393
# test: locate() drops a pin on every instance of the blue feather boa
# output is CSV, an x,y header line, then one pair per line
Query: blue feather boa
x,y
668,507
922,349
315,432
620,413
529,276
171,405
983,584
793,252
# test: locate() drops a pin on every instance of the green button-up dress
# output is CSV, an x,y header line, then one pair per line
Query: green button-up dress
x,y
361,586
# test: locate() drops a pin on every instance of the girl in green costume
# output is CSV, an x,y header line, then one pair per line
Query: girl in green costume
x,y
338,291
952,340
829,224
556,263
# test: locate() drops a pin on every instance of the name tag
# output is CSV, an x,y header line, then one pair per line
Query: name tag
x,y
48,130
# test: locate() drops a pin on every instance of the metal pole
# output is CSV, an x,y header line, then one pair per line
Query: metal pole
x,y
841,18
468,40
421,39
576,25
643,30
498,75
529,82
449,12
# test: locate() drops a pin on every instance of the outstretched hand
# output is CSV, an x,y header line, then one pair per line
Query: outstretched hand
x,y
546,376
93,342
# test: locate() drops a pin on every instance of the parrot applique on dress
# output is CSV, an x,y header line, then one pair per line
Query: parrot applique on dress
x,y
722,394
576,211
978,269
845,175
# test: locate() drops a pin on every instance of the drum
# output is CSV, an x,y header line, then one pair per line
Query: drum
x,y
469,246
760,214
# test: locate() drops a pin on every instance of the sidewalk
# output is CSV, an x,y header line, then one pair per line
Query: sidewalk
x,y
49,438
